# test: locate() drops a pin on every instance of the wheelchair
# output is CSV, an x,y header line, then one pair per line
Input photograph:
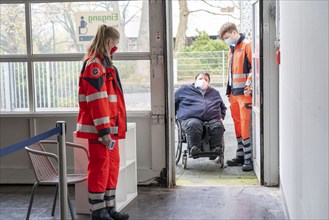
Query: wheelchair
x,y
180,139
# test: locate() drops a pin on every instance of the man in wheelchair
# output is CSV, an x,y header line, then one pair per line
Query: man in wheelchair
x,y
195,105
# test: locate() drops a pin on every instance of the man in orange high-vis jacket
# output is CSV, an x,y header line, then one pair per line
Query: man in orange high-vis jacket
x,y
102,120
239,91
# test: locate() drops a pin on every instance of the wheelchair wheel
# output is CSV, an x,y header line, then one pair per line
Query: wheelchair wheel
x,y
178,142
221,162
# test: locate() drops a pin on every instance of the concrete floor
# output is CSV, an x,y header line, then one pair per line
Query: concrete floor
x,y
180,203
204,191
207,202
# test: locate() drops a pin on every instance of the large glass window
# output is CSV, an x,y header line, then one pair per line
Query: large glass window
x,y
56,85
13,87
56,27
30,82
12,29
135,79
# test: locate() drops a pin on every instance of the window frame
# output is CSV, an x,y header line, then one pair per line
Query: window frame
x,y
30,58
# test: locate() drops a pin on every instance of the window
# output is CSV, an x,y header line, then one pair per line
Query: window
x,y
42,73
135,79
12,29
55,26
56,85
14,87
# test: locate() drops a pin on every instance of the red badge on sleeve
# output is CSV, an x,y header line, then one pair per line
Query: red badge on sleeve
x,y
95,72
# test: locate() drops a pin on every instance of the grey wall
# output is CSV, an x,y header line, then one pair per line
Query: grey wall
x,y
304,108
15,168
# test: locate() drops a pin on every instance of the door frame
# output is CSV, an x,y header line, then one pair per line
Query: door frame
x,y
267,170
268,174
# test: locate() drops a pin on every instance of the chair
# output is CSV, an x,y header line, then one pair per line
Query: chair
x,y
46,173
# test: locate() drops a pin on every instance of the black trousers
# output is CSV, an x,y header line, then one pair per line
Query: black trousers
x,y
193,129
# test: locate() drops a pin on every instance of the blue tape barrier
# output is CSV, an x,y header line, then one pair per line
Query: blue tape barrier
x,y
15,147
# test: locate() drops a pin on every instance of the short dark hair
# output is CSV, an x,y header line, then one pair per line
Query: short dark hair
x,y
202,73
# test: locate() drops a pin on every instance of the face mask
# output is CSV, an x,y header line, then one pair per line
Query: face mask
x,y
202,84
230,42
113,50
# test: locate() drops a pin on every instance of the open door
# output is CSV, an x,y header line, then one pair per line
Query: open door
x,y
257,109
265,111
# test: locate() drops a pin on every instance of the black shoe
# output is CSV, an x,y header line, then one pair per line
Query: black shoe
x,y
238,161
195,151
117,215
100,214
247,165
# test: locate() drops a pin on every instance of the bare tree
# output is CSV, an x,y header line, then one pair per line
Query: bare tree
x,y
182,25
143,39
184,12
143,33
12,32
114,5
64,16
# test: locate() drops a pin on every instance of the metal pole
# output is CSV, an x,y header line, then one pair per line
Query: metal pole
x,y
62,170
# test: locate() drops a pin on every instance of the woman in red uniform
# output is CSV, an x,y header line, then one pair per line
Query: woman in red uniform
x,y
102,120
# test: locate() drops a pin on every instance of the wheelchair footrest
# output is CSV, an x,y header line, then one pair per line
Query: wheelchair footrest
x,y
206,154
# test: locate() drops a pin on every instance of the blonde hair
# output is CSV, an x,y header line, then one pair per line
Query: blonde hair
x,y
100,41
227,27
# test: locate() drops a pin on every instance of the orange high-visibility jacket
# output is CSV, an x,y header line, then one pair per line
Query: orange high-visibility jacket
x,y
101,101
239,67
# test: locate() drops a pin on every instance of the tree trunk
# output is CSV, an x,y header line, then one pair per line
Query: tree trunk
x,y
123,37
143,33
143,40
182,26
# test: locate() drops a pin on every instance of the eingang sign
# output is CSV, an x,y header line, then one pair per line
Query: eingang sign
x,y
88,22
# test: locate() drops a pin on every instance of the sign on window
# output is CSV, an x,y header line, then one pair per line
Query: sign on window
x,y
88,22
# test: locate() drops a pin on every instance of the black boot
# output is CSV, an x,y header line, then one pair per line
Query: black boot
x,y
100,214
247,165
117,215
238,161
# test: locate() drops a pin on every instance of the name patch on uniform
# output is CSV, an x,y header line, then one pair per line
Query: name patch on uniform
x,y
95,71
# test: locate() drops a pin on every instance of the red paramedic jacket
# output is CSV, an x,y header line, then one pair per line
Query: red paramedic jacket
x,y
101,102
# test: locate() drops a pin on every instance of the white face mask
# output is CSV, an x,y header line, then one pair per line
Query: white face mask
x,y
202,84
230,42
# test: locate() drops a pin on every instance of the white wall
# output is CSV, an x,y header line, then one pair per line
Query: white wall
x,y
304,108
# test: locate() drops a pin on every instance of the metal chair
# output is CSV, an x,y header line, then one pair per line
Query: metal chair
x,y
46,173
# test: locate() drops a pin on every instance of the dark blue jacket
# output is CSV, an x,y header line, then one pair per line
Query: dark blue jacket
x,y
191,103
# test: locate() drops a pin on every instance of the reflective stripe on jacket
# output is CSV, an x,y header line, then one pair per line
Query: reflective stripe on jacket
x,y
239,67
101,102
